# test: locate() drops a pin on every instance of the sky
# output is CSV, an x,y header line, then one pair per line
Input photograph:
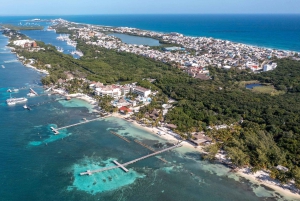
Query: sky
x,y
82,7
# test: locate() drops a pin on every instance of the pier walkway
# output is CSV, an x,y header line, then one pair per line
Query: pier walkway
x,y
84,122
120,136
151,149
56,130
90,172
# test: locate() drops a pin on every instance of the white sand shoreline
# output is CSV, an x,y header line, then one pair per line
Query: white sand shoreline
x,y
259,178
35,68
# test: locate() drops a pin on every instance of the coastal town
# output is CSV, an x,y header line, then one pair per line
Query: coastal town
x,y
193,55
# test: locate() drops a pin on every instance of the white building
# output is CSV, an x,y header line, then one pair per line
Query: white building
x,y
253,66
269,66
23,42
110,90
141,91
125,90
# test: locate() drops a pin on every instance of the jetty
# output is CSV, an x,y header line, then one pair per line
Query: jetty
x,y
56,130
120,136
32,91
122,166
151,149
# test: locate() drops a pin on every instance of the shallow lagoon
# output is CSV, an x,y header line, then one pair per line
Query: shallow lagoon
x,y
136,40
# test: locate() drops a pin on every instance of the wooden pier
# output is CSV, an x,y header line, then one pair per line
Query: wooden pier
x,y
151,149
90,172
56,130
120,136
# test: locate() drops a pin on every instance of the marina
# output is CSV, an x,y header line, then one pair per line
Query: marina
x,y
122,166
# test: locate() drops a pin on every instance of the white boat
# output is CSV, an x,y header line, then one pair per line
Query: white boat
x,y
26,107
15,90
9,90
2,66
30,94
13,101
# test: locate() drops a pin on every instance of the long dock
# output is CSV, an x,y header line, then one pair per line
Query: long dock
x,y
90,172
84,122
151,149
120,136
56,130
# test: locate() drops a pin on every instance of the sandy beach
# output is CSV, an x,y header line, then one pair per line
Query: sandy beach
x,y
259,178
42,71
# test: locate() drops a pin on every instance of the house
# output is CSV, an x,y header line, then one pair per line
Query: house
x,y
124,110
200,138
69,76
154,115
141,91
171,126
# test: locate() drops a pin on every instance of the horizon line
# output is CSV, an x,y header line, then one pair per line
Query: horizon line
x,y
150,14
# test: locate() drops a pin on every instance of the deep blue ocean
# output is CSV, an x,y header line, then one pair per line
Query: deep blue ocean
x,y
37,165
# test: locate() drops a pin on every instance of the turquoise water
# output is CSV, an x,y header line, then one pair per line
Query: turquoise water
x,y
136,40
37,165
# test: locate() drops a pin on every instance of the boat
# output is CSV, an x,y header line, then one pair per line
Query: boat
x,y
15,90
2,66
26,107
9,90
31,94
13,101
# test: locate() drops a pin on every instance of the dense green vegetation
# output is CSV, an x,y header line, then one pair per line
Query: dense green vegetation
x,y
18,28
269,134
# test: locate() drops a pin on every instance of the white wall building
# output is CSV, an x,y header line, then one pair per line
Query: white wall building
x,y
141,91
268,67
253,66
111,91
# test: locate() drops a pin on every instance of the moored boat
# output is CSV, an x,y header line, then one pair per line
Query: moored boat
x,y
13,101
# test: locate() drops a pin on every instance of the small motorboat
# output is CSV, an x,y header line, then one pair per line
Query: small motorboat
x,y
26,107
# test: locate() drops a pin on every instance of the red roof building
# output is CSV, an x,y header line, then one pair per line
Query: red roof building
x,y
123,109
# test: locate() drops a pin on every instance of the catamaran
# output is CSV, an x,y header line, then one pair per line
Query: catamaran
x,y
13,101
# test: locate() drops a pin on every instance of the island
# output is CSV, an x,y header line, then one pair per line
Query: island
x,y
193,88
